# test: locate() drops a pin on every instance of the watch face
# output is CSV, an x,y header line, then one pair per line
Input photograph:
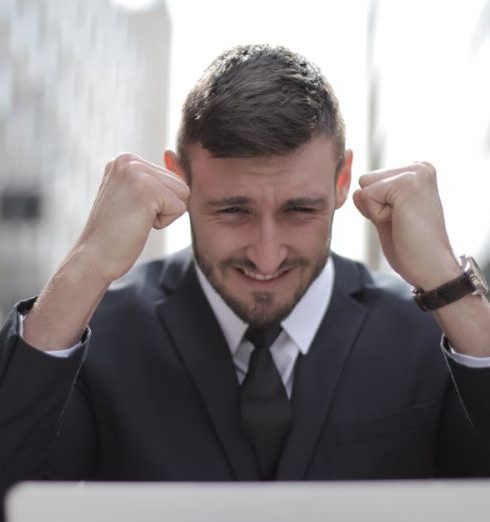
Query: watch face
x,y
476,276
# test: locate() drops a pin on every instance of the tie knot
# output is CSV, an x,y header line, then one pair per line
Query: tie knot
x,y
263,337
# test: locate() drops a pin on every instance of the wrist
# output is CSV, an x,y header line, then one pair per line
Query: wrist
x,y
470,280
66,304
86,263
438,274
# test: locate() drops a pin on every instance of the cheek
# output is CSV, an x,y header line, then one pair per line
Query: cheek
x,y
310,238
217,242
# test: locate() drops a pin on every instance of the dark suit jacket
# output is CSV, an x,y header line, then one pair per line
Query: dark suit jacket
x,y
155,397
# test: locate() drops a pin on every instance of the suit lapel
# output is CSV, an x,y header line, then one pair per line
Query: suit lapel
x,y
317,374
190,323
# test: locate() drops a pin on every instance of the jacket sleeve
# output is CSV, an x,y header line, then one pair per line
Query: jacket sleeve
x,y
35,391
473,385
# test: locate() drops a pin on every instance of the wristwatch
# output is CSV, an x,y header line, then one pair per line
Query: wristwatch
x,y
471,281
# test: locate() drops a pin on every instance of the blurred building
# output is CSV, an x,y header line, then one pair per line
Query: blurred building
x,y
80,81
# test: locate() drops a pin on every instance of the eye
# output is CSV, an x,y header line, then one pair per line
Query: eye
x,y
232,210
302,210
234,213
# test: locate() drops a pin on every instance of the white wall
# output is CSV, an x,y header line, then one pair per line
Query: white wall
x,y
330,33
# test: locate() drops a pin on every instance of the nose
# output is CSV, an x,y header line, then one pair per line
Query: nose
x,y
267,251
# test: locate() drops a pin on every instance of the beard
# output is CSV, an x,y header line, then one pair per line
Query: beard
x,y
264,310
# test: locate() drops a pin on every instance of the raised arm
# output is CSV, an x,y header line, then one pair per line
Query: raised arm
x,y
405,208
134,197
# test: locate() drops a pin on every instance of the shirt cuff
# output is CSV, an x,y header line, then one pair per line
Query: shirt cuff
x,y
465,360
62,354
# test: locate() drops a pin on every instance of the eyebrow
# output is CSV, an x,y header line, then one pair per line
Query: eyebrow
x,y
303,201
318,202
229,202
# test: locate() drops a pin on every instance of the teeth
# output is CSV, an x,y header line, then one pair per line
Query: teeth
x,y
261,277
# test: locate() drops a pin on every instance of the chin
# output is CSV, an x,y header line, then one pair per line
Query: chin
x,y
260,311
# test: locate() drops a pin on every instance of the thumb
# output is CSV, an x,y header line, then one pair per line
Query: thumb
x,y
372,205
359,202
172,212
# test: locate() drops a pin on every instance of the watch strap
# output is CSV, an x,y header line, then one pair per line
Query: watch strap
x,y
444,294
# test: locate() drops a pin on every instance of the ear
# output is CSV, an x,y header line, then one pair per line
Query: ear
x,y
342,183
172,163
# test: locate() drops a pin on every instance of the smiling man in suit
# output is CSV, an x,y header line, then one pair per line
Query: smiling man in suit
x,y
179,376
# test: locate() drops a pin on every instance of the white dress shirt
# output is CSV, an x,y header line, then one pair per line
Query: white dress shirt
x,y
298,329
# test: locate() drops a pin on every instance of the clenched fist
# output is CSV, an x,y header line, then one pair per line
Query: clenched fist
x,y
134,196
404,206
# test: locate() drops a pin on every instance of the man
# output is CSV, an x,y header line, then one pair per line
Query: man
x,y
167,384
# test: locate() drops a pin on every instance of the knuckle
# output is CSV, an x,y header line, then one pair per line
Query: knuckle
x,y
419,176
124,159
410,180
426,169
428,165
429,176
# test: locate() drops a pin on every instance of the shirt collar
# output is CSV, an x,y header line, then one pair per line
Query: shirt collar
x,y
301,324
232,326
304,320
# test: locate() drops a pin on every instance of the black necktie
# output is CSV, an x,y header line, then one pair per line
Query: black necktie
x,y
266,410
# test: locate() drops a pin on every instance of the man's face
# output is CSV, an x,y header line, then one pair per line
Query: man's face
x,y
261,226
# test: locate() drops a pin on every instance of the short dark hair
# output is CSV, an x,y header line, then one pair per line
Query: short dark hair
x,y
258,100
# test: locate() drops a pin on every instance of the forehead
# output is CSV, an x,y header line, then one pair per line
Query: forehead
x,y
310,167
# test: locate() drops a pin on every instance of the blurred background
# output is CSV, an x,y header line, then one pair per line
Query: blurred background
x,y
82,80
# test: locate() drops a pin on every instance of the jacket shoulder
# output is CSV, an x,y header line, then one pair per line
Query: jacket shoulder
x,y
149,281
356,277
382,293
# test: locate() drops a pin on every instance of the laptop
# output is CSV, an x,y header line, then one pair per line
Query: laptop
x,y
388,501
